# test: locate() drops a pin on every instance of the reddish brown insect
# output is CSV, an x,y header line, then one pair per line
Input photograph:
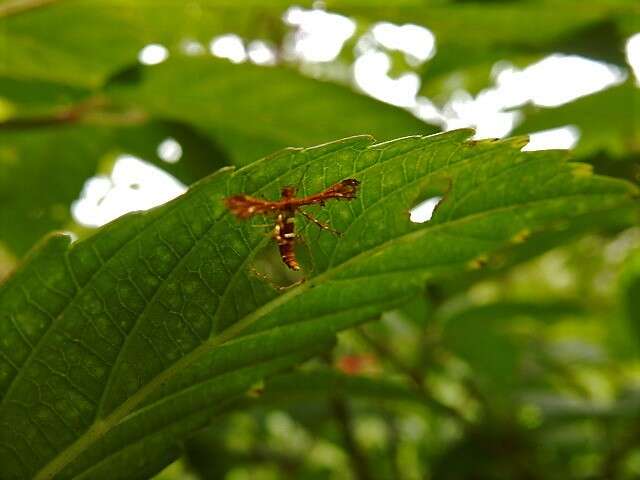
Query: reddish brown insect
x,y
285,209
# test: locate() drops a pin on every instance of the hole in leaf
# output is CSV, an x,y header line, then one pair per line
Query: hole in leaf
x,y
423,212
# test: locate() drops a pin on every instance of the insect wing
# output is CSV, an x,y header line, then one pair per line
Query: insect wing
x,y
244,206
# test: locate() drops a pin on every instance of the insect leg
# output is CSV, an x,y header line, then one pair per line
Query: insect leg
x,y
320,224
267,278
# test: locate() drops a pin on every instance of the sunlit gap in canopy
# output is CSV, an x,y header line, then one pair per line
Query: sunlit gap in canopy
x,y
551,82
564,138
229,46
555,80
262,53
169,150
233,48
132,185
373,63
371,72
153,54
416,43
633,55
192,48
318,35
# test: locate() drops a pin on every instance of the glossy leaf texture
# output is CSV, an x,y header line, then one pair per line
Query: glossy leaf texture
x,y
116,347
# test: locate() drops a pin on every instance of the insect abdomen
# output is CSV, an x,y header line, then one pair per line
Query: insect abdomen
x,y
286,238
288,256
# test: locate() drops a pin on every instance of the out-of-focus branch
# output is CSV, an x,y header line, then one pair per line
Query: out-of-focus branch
x,y
358,458
92,110
14,7
414,375
618,451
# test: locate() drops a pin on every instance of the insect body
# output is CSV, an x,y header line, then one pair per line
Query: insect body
x,y
285,209
285,236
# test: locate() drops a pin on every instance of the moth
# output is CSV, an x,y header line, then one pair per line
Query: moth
x,y
285,210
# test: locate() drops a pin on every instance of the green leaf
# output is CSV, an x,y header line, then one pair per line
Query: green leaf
x,y
608,121
158,316
43,170
51,41
245,107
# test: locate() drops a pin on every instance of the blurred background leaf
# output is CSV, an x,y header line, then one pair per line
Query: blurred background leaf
x,y
246,108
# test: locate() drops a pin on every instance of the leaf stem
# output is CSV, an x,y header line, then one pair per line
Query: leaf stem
x,y
413,375
358,458
91,109
14,7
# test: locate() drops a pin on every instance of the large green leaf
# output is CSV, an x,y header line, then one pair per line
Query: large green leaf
x,y
140,329
244,106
